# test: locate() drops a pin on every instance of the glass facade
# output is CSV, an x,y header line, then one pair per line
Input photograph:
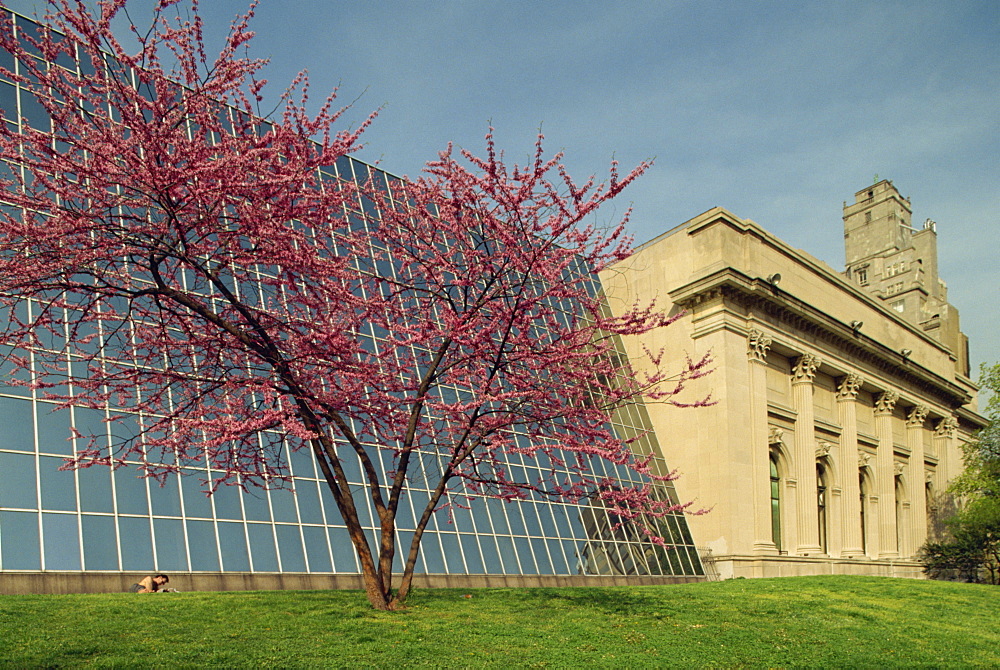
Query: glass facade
x,y
96,519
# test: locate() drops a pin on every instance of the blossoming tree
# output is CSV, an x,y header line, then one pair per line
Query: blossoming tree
x,y
200,270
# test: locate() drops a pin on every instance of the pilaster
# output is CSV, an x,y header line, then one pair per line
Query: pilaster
x,y
805,455
944,446
757,345
915,481
885,474
847,396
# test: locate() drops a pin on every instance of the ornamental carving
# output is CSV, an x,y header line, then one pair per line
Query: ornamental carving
x,y
885,402
775,435
850,384
897,468
929,476
823,450
863,460
805,369
946,427
757,345
915,419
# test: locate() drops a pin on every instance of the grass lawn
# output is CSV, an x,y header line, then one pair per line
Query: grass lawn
x,y
815,621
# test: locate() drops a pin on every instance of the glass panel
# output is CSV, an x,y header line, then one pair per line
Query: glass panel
x,y
452,553
265,558
343,551
505,554
17,481
166,499
560,565
431,553
283,504
131,491
524,556
227,502
18,433
170,553
498,514
290,546
317,549
61,541
255,505
308,499
58,486
19,547
100,546
202,545
196,502
232,539
54,435
473,556
302,463
541,556
136,544
95,489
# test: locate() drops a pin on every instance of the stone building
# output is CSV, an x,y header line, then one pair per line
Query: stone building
x,y
843,398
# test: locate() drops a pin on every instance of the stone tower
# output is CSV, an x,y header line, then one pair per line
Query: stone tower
x,y
898,263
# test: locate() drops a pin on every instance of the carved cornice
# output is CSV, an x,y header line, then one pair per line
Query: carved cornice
x,y
805,369
850,384
916,417
885,402
740,290
757,345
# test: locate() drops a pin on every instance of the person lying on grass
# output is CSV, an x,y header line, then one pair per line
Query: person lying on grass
x,y
150,584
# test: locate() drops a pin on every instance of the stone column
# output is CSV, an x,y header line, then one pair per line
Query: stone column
x,y
916,479
805,455
847,472
885,474
757,345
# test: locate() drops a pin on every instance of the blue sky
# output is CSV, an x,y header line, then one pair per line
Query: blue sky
x,y
777,111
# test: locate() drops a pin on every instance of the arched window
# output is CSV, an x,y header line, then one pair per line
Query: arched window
x,y
775,503
821,503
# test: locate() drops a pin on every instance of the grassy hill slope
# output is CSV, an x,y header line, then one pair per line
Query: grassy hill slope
x,y
816,621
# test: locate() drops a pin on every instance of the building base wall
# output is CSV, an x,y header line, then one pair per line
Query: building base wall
x,y
23,583
734,566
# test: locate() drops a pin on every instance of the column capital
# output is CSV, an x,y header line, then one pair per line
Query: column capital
x,y
757,345
946,427
885,402
850,384
915,419
805,369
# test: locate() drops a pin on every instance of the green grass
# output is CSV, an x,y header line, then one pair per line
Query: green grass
x,y
814,621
